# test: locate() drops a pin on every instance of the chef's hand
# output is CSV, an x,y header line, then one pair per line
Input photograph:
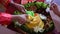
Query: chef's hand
x,y
55,9
19,7
20,18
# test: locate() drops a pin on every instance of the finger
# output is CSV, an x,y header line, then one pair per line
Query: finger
x,y
23,15
23,10
51,8
54,5
22,21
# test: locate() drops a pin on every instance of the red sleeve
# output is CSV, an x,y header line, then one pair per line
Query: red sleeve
x,y
5,19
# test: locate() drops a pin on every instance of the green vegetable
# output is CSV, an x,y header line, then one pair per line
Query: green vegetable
x,y
17,12
39,4
44,5
31,13
26,5
29,4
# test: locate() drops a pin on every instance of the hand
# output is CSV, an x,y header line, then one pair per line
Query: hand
x,y
55,9
22,18
18,6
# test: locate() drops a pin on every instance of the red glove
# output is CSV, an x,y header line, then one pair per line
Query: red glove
x,y
5,19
